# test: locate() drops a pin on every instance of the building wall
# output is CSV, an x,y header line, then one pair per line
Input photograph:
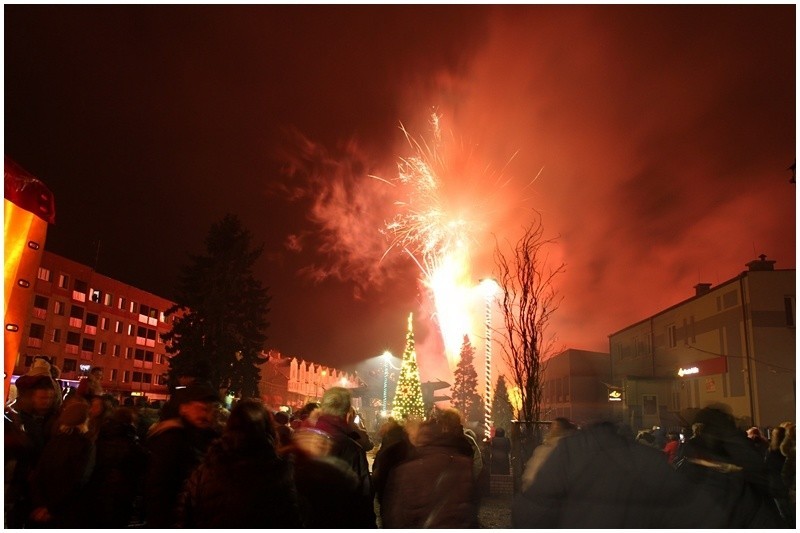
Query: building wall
x,y
574,386
736,342
82,319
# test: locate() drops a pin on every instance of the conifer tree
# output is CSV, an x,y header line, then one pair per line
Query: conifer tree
x,y
465,382
220,314
502,410
408,394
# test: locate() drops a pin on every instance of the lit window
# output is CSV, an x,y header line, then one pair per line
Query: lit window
x,y
43,274
63,281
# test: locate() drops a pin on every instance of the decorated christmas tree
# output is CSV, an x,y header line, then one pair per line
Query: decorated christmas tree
x,y
408,395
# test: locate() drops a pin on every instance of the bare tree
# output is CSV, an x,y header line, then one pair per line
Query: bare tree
x,y
529,299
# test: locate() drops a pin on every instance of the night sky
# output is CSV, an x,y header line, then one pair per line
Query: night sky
x,y
655,142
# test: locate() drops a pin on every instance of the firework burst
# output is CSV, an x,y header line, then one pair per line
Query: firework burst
x,y
436,234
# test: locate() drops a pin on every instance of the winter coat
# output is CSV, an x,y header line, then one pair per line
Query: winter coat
x,y
346,448
232,489
175,449
434,489
60,478
595,478
501,455
116,482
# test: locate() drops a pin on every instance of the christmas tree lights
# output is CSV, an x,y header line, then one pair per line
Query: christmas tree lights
x,y
408,396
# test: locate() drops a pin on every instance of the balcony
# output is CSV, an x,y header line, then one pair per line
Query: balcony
x,y
75,322
79,296
86,354
141,341
90,330
71,348
34,343
39,313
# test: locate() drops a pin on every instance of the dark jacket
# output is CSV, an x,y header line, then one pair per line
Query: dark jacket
x,y
116,481
434,489
501,455
348,450
231,489
326,489
175,449
598,479
60,478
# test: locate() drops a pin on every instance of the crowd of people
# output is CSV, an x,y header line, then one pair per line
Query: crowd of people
x,y
84,461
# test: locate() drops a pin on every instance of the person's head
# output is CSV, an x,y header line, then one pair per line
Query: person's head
x,y
41,396
673,435
250,427
74,416
336,402
450,420
40,367
281,418
754,433
96,373
197,405
499,432
697,428
776,437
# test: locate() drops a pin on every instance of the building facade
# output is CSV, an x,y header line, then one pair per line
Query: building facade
x,y
81,319
732,344
291,382
575,386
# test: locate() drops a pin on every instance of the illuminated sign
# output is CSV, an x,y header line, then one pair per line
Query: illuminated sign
x,y
85,368
706,367
137,393
614,394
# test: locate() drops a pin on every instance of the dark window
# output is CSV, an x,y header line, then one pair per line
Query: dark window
x,y
76,311
81,286
141,332
73,338
148,357
40,302
28,360
91,319
151,334
137,377
70,365
36,331
139,355
147,378
88,345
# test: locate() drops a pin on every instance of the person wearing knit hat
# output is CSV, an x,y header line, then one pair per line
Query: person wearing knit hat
x,y
40,368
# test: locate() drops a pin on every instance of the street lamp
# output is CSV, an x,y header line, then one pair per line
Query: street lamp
x,y
386,356
489,287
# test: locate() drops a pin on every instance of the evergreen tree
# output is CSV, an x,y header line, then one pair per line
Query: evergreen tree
x,y
220,316
465,383
502,410
408,394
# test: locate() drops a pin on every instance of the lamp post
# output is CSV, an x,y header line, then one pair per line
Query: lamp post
x,y
386,356
489,287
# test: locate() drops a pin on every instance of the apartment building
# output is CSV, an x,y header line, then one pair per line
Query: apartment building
x,y
80,319
732,344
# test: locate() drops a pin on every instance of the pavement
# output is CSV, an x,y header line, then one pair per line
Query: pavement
x,y
495,512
